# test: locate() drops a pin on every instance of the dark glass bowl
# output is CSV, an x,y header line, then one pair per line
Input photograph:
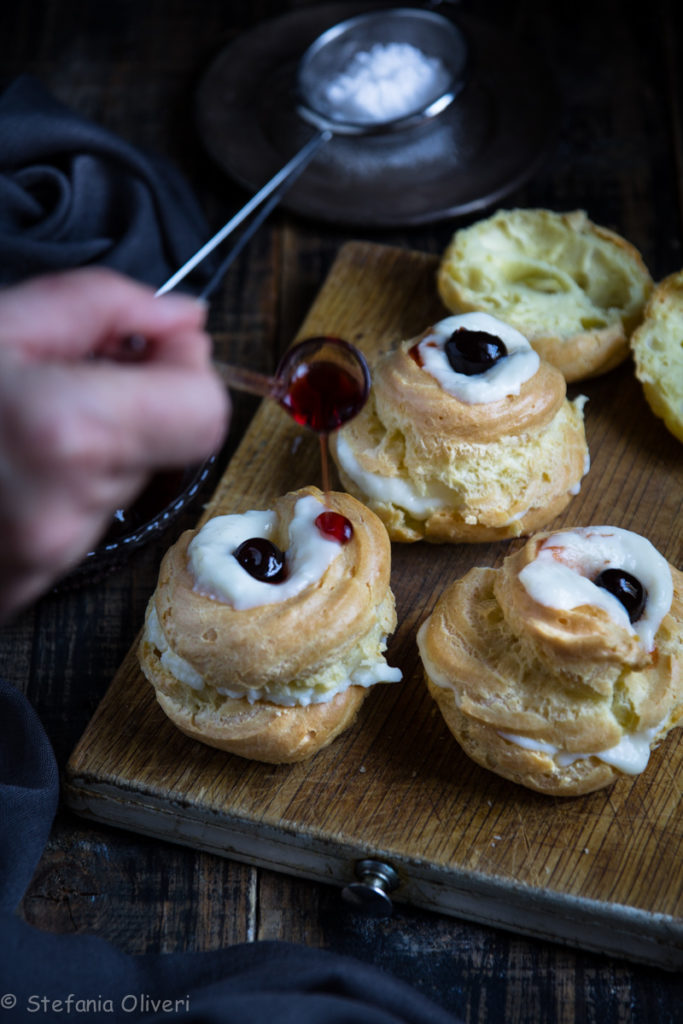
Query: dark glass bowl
x,y
166,496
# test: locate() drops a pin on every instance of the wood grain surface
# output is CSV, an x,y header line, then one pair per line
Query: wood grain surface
x,y
603,871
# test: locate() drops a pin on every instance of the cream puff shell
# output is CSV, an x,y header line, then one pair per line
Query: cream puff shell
x,y
500,666
575,289
317,632
502,468
658,352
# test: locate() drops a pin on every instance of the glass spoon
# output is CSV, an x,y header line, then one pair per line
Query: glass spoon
x,y
326,61
322,382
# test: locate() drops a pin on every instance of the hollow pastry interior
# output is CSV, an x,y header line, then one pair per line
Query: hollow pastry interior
x,y
439,463
657,347
574,289
559,697
279,677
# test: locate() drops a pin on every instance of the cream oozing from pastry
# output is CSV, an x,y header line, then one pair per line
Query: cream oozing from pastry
x,y
366,667
399,491
219,575
393,490
562,574
580,401
504,378
630,755
178,667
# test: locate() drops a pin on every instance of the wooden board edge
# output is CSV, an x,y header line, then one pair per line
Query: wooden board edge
x,y
621,931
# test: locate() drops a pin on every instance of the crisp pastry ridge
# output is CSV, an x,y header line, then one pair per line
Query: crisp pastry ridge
x,y
439,469
575,289
553,699
283,668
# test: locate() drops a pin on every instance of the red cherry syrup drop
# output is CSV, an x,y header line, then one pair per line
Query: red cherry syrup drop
x,y
335,526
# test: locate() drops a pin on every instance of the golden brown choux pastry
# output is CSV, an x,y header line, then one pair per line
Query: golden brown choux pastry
x,y
444,454
657,347
564,668
574,289
267,650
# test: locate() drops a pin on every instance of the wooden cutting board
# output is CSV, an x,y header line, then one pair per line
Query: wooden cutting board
x,y
603,872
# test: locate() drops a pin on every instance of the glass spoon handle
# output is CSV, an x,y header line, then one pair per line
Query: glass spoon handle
x,y
284,177
247,380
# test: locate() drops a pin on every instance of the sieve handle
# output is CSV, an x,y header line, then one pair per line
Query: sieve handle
x,y
276,187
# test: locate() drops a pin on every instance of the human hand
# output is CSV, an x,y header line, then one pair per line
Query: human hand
x,y
80,432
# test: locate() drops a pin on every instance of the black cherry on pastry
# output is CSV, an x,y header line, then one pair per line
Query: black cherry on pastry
x,y
262,559
473,352
335,526
626,588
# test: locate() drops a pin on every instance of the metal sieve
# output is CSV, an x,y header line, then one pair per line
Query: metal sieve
x,y
327,59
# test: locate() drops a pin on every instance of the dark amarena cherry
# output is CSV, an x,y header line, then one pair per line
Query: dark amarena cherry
x,y
626,588
262,559
335,526
473,352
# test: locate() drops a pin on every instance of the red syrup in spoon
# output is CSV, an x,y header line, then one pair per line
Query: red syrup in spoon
x,y
323,395
325,383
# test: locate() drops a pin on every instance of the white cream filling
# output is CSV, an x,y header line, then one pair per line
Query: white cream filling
x,y
392,489
371,670
504,378
581,401
561,576
630,755
173,663
219,575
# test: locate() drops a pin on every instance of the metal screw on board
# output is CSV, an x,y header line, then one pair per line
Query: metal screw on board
x,y
370,894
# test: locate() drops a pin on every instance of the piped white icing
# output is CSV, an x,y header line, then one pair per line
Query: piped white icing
x,y
219,575
561,576
504,378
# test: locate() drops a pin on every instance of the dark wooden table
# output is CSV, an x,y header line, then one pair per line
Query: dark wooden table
x,y
134,65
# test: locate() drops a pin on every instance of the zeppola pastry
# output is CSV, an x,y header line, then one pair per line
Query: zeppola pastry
x,y
467,436
267,628
657,347
564,668
574,289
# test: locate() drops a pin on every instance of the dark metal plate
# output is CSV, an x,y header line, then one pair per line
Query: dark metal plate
x,y
486,144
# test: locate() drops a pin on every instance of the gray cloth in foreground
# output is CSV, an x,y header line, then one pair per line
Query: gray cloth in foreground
x,y
48,977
